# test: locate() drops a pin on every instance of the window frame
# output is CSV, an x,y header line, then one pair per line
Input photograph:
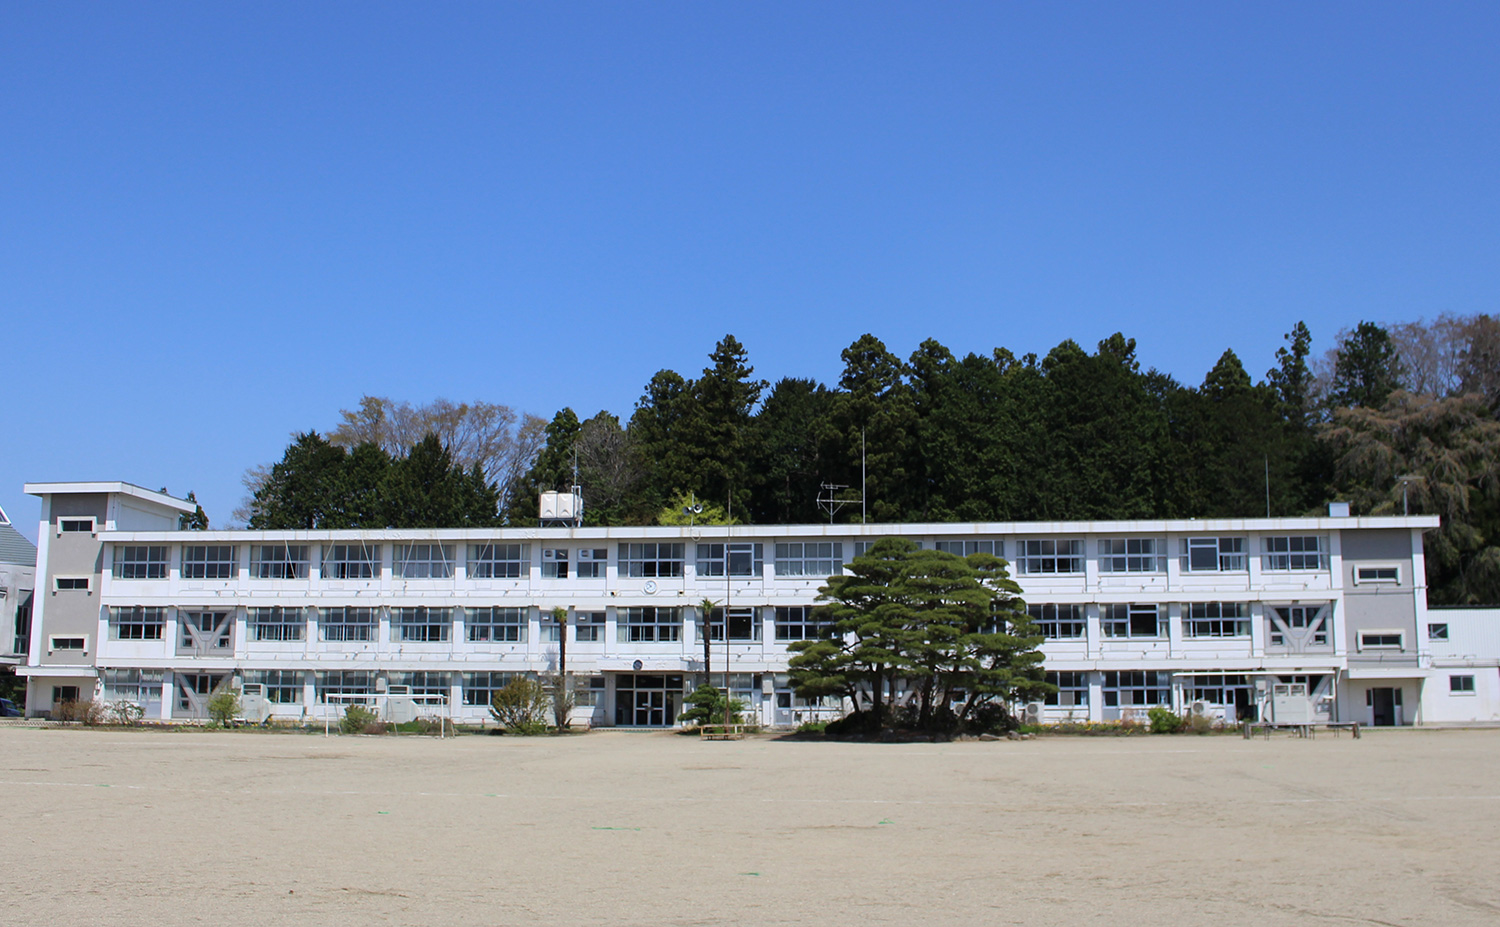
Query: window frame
x,y
72,584
652,560
1116,615
797,564
1399,646
1280,553
1462,684
743,559
154,563
665,626
142,618
204,566
343,561
285,567
1076,619
482,567
434,620
588,626
784,621
64,520
1229,554
1133,556
1212,623
292,631
492,622
1364,574
350,632
55,641
591,563
440,562
1033,562
1434,634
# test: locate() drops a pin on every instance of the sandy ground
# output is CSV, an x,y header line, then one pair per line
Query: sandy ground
x,y
101,827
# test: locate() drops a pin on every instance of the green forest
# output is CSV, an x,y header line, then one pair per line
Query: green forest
x,y
1391,419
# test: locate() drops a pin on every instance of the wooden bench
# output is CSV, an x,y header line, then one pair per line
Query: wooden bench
x,y
722,731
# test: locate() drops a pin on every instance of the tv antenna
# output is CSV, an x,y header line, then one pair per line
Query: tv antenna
x,y
831,500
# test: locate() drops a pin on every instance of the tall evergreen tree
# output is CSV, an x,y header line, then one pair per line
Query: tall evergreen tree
x,y
792,441
877,422
718,435
1366,368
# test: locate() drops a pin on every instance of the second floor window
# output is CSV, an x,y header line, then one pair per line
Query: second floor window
x,y
212,561
1213,555
278,561
802,623
809,558
1046,555
499,561
1131,555
276,624
351,561
1058,622
495,624
137,623
421,624
347,624
423,561
651,623
1298,552
650,560
1134,620
1215,619
742,559
133,562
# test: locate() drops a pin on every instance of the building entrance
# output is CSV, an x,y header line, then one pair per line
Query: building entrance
x,y
643,700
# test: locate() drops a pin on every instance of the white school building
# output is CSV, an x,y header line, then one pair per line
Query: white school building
x,y
1214,617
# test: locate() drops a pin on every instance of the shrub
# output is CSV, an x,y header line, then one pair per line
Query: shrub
x,y
224,705
1165,721
356,719
708,707
85,711
854,724
521,707
812,727
126,713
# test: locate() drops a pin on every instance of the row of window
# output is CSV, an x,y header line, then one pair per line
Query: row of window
x,y
1199,620
1045,556
208,630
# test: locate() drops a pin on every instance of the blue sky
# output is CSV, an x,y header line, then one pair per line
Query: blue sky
x,y
222,223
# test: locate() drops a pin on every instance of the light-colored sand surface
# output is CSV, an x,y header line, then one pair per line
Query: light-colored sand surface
x,y
100,827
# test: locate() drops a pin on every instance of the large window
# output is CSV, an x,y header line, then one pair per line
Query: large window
x,y
1137,688
495,624
351,561
554,563
278,561
649,560
425,683
809,558
1215,619
283,687
137,686
651,623
1213,555
499,561
137,623
1058,622
588,627
802,623
1131,555
201,630
22,644
1297,552
744,625
592,562
965,548
213,561
1072,689
423,561
743,559
1298,626
347,624
1047,555
480,688
421,624
277,623
132,562
1217,689
1133,620
1461,685
345,683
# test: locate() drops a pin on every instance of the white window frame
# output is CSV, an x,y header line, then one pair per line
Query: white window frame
x,y
57,584
1465,691
1362,579
52,646
187,567
1280,553
91,521
1232,560
1132,555
591,563
1397,633
1033,554
288,629
794,559
499,564
121,567
339,561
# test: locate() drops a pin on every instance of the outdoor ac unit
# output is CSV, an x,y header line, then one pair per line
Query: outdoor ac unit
x,y
1033,712
1199,708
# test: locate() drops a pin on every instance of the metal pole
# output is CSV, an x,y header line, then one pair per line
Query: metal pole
x,y
728,589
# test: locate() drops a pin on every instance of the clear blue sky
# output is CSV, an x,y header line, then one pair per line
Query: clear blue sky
x,y
221,223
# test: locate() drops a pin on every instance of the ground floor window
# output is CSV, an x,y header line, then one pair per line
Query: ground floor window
x,y
1072,689
344,683
480,688
1215,619
1137,688
139,687
589,693
283,687
425,683
1463,685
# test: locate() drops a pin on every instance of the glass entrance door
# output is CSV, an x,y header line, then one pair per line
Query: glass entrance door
x,y
647,700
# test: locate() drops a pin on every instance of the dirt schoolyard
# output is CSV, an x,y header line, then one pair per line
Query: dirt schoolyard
x,y
125,827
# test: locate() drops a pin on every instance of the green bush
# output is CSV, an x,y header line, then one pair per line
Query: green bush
x,y
1165,721
223,706
521,707
357,718
812,727
708,707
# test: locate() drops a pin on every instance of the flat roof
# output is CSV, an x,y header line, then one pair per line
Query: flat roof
x,y
115,487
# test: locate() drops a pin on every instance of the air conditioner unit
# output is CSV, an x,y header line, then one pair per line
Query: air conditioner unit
x,y
1199,708
1033,712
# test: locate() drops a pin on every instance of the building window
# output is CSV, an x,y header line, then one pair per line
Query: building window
x,y
965,548
202,631
351,561
1134,620
591,563
74,583
1072,689
1215,619
347,624
423,561
1367,575
75,526
651,623
588,627
422,624
277,623
132,562
67,642
494,624
345,687
590,695
1049,556
802,623
1297,552
278,561
809,558
651,560
554,563
426,684
499,561
61,694
137,686
1461,684
480,688
1137,688
1437,631
283,687
137,623
23,627
1380,640
744,625
1131,555
208,562
1213,555
744,559
1217,689
1058,622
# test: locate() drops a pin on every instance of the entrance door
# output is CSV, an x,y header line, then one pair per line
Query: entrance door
x,y
650,709
1383,707
646,700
